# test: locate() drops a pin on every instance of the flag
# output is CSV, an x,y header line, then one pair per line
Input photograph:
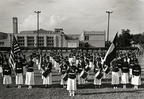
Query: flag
x,y
14,50
11,59
111,53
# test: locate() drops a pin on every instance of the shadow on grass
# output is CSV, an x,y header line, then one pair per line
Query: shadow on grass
x,y
110,92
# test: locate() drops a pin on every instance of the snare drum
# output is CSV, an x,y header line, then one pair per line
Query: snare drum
x,y
99,75
65,77
83,74
46,73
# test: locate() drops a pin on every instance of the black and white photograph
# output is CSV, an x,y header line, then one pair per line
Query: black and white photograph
x,y
71,49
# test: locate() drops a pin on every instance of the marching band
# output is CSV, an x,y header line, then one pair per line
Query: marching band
x,y
74,70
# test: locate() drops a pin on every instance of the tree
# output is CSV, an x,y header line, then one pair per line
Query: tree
x,y
141,39
124,39
136,38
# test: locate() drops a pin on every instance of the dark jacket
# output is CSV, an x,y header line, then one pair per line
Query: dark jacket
x,y
29,66
136,70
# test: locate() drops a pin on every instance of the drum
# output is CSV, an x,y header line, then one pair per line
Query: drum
x,y
99,75
46,73
106,69
65,77
83,74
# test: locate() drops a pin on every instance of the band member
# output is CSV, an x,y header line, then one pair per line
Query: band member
x,y
125,72
47,68
6,73
136,75
30,73
63,70
131,63
97,71
81,66
71,83
1,62
115,74
24,61
19,72
57,63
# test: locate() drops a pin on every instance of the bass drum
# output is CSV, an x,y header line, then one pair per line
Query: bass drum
x,y
83,74
99,75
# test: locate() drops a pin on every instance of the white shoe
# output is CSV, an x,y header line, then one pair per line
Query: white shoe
x,y
73,94
70,94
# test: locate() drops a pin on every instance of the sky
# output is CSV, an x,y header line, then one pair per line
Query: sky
x,y
74,16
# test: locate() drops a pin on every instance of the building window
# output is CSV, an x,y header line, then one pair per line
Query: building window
x,y
86,37
30,41
1,43
21,41
50,41
41,41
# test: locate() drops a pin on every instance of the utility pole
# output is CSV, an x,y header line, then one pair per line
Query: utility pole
x,y
109,12
37,12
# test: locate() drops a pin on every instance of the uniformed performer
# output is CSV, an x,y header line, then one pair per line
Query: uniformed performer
x,y
47,68
63,70
98,72
71,83
115,73
1,62
136,75
24,61
6,73
30,73
125,72
131,64
19,72
81,66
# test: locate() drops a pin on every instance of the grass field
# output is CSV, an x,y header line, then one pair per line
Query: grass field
x,y
57,92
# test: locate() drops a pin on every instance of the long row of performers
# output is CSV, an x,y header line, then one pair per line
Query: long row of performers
x,y
74,67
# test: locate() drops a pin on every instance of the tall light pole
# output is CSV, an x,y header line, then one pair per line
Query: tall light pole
x,y
109,12
37,12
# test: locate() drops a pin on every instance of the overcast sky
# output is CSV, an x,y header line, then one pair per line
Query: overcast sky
x,y
74,16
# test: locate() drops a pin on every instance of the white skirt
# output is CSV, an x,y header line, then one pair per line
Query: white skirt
x,y
56,65
1,69
24,70
39,66
124,78
48,79
37,62
19,78
130,72
115,78
63,82
97,81
80,80
7,79
136,80
105,75
71,84
29,78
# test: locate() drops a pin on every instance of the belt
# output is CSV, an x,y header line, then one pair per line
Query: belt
x,y
71,73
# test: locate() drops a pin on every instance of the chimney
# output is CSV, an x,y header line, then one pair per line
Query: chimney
x,y
15,25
